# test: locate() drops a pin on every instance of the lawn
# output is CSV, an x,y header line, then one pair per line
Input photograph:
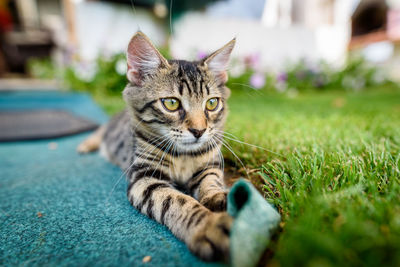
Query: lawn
x,y
331,167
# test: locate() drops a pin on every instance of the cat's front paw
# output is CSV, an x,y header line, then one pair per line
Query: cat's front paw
x,y
211,242
216,202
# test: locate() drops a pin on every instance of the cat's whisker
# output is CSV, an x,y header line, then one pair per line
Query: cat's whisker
x,y
137,125
127,169
255,90
209,156
173,138
221,157
135,13
225,132
235,139
222,163
163,154
160,150
151,142
221,160
143,152
234,154
130,166
150,151
170,16
174,150
149,145
246,85
172,167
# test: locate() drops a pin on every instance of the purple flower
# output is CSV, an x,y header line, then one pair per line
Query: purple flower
x,y
257,80
281,77
253,61
69,55
201,55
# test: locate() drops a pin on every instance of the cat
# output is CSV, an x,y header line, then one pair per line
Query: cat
x,y
168,142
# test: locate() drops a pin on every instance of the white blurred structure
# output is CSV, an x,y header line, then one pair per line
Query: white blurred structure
x,y
277,13
287,31
107,28
277,31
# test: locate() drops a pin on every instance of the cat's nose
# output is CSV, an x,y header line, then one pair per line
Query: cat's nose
x,y
197,133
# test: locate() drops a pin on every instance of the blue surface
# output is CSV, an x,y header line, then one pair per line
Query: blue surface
x,y
86,219
79,104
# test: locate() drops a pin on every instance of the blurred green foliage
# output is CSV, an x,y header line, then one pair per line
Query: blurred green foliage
x,y
106,76
42,68
355,75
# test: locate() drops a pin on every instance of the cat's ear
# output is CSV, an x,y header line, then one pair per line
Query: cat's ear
x,y
218,61
143,59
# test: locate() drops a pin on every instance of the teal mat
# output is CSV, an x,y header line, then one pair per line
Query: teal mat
x,y
61,209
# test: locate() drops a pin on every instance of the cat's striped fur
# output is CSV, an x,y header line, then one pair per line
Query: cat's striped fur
x,y
172,158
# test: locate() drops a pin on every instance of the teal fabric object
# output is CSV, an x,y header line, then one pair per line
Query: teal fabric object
x,y
58,208
255,220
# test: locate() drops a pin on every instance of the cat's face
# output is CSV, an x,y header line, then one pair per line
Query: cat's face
x,y
180,103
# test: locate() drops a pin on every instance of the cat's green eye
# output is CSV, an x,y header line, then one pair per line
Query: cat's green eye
x,y
171,104
212,104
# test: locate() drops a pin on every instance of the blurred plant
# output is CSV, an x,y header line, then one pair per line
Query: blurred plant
x,y
107,75
358,73
41,68
247,72
355,75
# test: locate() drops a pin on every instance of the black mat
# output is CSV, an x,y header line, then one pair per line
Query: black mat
x,y
41,124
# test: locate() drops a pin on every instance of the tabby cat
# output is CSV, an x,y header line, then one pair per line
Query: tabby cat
x,y
168,142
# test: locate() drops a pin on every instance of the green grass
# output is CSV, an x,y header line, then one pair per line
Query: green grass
x,y
333,174
337,183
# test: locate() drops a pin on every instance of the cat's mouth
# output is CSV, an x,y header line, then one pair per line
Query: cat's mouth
x,y
197,141
187,142
192,144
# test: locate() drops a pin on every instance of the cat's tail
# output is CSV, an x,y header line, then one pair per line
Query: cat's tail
x,y
92,143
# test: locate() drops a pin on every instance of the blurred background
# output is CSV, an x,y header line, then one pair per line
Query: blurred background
x,y
285,45
314,122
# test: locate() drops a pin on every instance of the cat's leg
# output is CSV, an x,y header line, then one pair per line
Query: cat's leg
x,y
208,187
205,233
92,143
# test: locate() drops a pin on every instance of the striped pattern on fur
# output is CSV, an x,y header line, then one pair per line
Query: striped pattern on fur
x,y
172,158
